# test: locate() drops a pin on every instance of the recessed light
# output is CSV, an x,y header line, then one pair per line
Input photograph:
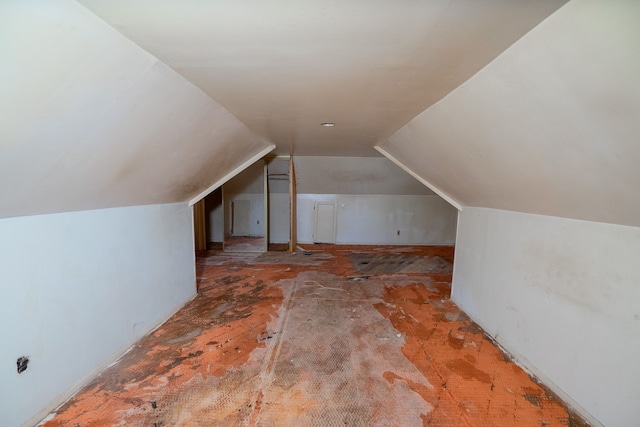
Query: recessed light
x,y
327,124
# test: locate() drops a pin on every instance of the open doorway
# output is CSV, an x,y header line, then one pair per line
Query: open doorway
x,y
278,203
251,212
244,211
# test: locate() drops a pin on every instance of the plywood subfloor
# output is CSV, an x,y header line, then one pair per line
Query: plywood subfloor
x,y
333,336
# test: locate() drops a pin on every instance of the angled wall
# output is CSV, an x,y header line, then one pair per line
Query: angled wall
x,y
89,120
91,128
78,288
562,296
549,127
248,187
376,203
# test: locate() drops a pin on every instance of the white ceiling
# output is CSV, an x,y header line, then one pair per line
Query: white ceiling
x,y
282,67
545,123
550,127
89,120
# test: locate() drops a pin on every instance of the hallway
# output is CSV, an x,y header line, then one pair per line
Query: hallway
x,y
337,335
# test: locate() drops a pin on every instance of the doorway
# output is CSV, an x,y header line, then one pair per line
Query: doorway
x,y
324,223
245,223
252,212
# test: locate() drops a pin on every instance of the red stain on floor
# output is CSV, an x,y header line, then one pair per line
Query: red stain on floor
x,y
344,335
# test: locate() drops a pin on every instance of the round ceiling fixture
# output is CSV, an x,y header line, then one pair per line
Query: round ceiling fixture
x,y
327,124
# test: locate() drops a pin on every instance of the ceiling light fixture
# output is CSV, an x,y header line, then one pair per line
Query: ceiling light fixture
x,y
328,124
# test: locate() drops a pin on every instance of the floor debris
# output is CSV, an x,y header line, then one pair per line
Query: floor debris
x,y
279,339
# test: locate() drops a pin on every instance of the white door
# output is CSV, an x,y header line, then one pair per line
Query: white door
x,y
325,223
240,214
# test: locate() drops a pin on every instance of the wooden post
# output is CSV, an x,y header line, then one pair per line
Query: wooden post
x,y
293,225
265,193
200,226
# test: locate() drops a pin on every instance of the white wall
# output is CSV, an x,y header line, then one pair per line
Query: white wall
x,y
376,219
256,211
353,175
89,120
562,296
248,181
247,185
376,199
278,211
79,288
278,218
549,127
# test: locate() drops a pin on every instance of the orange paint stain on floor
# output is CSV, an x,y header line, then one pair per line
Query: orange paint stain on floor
x,y
211,334
335,335
473,378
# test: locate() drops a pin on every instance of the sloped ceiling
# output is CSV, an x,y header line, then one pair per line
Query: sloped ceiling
x,y
283,67
89,120
550,127
354,175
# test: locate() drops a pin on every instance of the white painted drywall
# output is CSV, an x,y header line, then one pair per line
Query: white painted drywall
x,y
278,217
550,126
247,185
248,181
283,66
78,288
89,120
353,175
561,295
376,219
256,211
375,200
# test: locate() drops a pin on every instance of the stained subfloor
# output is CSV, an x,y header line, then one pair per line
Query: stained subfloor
x,y
334,336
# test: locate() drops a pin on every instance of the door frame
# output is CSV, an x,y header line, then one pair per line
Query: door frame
x,y
315,221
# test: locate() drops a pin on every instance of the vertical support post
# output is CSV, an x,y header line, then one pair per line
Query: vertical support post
x,y
265,191
293,224
200,226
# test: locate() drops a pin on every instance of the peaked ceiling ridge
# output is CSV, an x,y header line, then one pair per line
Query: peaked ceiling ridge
x,y
284,68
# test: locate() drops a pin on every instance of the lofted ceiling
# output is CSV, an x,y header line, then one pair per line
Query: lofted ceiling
x,y
519,105
550,127
283,67
89,120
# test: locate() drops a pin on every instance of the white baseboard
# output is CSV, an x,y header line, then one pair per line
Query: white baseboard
x,y
301,242
530,369
61,399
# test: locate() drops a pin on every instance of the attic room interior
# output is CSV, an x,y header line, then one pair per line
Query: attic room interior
x,y
506,129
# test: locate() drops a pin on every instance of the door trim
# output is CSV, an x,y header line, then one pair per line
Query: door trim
x,y
315,221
